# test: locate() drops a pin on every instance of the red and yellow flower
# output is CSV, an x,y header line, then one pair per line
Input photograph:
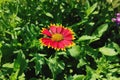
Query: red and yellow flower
x,y
57,37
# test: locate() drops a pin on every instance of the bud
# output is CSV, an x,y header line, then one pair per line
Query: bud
x,y
117,19
118,14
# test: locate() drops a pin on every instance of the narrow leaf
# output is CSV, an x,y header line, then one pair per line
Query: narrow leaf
x,y
86,37
91,9
49,15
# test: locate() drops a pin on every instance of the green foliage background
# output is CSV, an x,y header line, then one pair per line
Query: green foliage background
x,y
96,55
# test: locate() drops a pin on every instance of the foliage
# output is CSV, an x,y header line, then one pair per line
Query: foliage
x,y
96,55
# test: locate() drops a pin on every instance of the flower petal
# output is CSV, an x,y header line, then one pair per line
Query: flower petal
x,y
53,29
59,29
54,44
118,19
61,45
45,41
67,42
113,19
66,32
118,14
46,32
69,37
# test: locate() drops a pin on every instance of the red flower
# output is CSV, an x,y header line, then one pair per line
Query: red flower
x,y
57,37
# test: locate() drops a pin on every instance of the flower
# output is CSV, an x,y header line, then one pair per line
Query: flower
x,y
118,14
117,19
57,37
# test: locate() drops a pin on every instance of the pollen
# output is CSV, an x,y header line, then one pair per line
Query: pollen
x,y
57,37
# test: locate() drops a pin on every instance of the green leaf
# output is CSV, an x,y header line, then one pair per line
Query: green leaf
x,y
0,44
79,23
91,9
75,51
39,61
78,77
81,63
96,35
87,3
0,55
21,77
86,37
8,65
14,75
49,15
61,53
108,51
89,73
116,46
20,63
100,30
55,66
2,1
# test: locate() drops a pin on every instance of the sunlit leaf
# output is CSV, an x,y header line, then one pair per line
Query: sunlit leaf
x,y
91,9
81,63
14,75
61,53
86,37
49,15
75,51
79,77
108,51
116,46
8,65
21,77
115,3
